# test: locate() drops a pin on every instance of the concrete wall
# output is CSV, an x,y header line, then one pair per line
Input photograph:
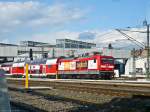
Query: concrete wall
x,y
8,51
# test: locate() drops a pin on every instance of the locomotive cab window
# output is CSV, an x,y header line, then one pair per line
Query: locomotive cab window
x,y
107,60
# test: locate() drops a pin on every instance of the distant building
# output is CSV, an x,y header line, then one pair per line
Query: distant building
x,y
68,43
4,44
35,44
8,52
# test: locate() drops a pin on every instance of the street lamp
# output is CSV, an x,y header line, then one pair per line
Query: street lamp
x,y
147,47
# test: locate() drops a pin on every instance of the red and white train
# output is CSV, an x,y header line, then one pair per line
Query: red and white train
x,y
6,67
95,66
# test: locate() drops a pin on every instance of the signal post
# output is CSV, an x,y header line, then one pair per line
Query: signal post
x,y
27,77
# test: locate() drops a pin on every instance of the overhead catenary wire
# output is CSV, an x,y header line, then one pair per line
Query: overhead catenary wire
x,y
133,31
139,44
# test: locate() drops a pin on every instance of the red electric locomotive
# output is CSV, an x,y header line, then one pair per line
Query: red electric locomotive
x,y
96,66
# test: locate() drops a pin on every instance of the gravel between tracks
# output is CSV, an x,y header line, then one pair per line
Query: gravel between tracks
x,y
68,101
41,103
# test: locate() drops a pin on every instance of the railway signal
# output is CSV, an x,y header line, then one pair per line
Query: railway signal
x,y
31,54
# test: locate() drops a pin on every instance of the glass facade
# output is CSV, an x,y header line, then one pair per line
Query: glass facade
x,y
35,44
68,43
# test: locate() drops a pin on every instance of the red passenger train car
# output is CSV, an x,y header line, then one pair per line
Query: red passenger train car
x,y
6,67
36,68
51,67
18,69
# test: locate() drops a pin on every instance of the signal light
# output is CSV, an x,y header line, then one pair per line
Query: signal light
x,y
31,54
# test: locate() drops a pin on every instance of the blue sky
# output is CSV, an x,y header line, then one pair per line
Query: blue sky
x,y
106,14
50,19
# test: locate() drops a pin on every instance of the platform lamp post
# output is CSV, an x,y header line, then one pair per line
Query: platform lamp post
x,y
147,48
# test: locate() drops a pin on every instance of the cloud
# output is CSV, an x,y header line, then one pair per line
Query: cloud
x,y
87,36
4,41
118,40
101,38
52,36
28,20
35,15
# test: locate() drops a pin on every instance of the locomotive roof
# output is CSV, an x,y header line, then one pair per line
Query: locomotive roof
x,y
86,57
8,63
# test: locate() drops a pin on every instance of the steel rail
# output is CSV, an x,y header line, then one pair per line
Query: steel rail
x,y
112,88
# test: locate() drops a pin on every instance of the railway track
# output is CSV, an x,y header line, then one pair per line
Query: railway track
x,y
99,87
30,105
81,96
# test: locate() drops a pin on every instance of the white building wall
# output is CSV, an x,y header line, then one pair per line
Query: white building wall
x,y
8,51
139,64
129,66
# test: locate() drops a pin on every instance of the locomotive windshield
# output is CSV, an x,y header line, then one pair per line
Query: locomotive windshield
x,y
107,61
